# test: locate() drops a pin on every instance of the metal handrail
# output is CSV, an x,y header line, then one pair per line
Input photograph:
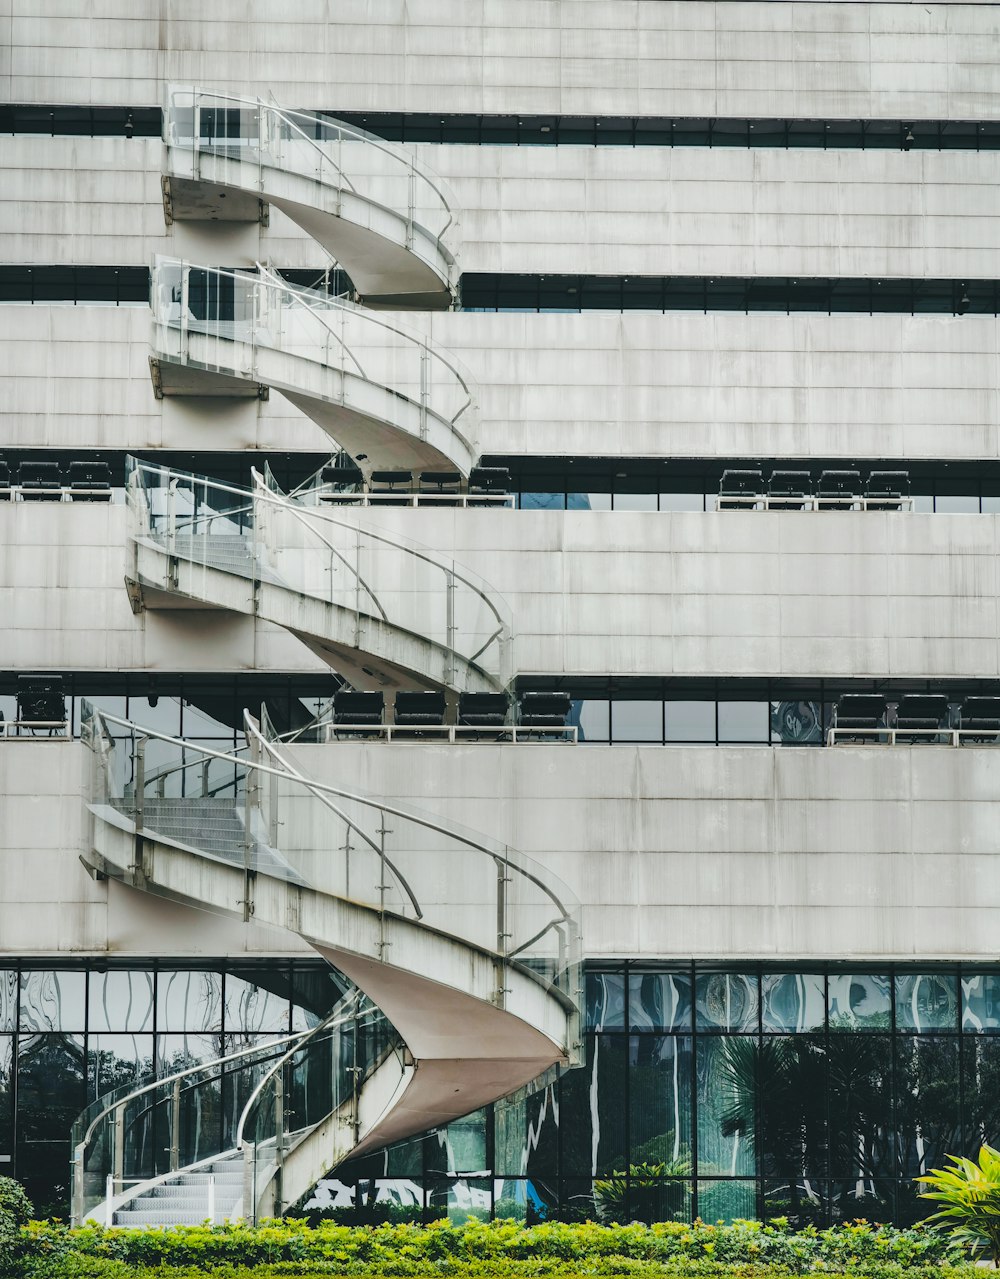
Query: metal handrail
x,y
315,305
263,492
409,547
178,1075
332,1022
349,130
467,840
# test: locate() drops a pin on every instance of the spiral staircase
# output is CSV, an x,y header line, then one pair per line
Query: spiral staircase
x,y
463,955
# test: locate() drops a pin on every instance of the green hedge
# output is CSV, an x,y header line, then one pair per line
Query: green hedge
x,y
50,1250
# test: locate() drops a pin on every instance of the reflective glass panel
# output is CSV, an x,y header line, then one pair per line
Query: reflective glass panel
x,y
256,1002
510,1199
652,1199
860,1101
957,503
690,721
928,1124
860,1001
981,1093
981,1002
682,501
6,1097
926,1001
577,1202
461,1200
542,1116
727,1098
867,1198
635,502
588,501
114,1061
660,1105
188,1000
593,718
543,501
605,1001
744,721
659,1001
725,1201
793,1001
120,1000
608,1069
53,1000
637,721
8,999
726,1001
792,1081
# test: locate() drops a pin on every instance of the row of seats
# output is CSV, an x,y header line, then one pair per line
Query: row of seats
x,y
921,714
397,488
835,490
48,481
427,710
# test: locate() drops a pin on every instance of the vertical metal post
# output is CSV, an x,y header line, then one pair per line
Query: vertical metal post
x,y
249,805
450,623
76,1206
204,776
279,1138
250,1182
425,389
273,814
185,296
118,1145
139,784
175,1127
411,200
503,933
109,1194
211,1199
357,587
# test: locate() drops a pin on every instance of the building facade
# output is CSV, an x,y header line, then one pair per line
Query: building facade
x,y
627,365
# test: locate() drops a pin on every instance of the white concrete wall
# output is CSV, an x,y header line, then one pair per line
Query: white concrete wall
x,y
729,852
591,593
677,385
618,57
64,605
603,211
48,903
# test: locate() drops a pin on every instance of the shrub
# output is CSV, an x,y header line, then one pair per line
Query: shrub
x,y
970,1194
15,1213
744,1250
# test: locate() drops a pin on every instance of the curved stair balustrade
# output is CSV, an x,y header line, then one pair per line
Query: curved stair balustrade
x,y
387,218
383,610
469,949
174,1151
385,394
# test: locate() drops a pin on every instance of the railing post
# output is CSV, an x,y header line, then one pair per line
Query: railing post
x,y
357,587
139,784
250,1182
175,1127
279,1137
503,934
411,200
185,295
118,1140
109,1194
425,380
211,1199
249,805
450,623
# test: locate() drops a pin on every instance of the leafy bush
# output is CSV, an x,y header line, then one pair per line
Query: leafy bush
x,y
970,1193
744,1250
15,1213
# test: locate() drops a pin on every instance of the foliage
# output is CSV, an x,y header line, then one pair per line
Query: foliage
x,y
15,1213
970,1193
744,1250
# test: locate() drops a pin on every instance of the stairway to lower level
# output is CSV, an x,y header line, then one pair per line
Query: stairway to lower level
x,y
185,1199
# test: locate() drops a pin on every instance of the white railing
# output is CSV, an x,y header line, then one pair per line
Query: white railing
x,y
350,162
28,493
904,736
515,733
845,502
24,729
407,497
